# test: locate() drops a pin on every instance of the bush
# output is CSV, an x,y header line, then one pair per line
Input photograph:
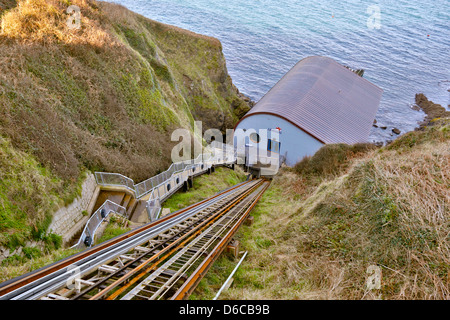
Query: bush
x,y
32,253
331,159
52,240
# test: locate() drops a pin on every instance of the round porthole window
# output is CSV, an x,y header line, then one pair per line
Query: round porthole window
x,y
255,137
178,180
168,187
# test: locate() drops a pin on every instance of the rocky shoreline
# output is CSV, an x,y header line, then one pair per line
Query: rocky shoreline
x,y
376,125
433,112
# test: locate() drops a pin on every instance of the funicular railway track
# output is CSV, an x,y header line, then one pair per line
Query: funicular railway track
x,y
162,260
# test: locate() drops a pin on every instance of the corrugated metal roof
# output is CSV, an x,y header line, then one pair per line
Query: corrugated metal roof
x,y
325,99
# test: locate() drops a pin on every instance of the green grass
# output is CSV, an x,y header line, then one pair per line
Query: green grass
x,y
204,187
111,231
385,207
105,98
34,259
28,194
440,131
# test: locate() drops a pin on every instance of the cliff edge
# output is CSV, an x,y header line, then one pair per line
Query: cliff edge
x,y
98,93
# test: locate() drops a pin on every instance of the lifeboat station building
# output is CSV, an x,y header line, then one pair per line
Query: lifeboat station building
x,y
319,101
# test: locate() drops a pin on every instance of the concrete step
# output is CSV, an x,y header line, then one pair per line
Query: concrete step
x,y
126,200
140,214
114,196
132,206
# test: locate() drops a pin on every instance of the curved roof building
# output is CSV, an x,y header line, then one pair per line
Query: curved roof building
x,y
321,98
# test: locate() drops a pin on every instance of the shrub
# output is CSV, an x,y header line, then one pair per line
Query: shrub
x,y
331,159
31,252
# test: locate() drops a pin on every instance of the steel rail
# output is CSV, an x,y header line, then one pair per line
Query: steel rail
x,y
191,231
219,215
57,281
187,257
15,287
225,229
191,283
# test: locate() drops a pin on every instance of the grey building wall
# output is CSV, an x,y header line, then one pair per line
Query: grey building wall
x,y
295,143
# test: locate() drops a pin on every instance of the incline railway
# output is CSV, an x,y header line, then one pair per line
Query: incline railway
x,y
164,259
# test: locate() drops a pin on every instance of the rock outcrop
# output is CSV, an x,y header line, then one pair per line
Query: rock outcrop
x,y
432,110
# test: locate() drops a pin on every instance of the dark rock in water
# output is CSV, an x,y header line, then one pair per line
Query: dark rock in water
x,y
396,131
375,123
432,110
359,72
383,127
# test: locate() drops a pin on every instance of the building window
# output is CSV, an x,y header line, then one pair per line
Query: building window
x,y
273,146
255,137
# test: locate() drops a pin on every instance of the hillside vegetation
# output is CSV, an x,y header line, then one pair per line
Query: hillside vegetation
x,y
107,96
322,224
34,258
104,97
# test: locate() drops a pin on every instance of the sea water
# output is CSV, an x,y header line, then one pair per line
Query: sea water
x,y
403,46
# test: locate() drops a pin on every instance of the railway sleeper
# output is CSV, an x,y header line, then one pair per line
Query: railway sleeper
x,y
142,249
141,296
171,273
126,258
108,269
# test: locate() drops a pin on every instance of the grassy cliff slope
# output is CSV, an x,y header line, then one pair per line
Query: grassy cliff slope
x,y
322,224
36,257
103,97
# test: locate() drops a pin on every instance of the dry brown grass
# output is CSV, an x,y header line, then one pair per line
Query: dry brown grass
x,y
105,97
46,21
389,208
31,104
419,183
68,78
331,160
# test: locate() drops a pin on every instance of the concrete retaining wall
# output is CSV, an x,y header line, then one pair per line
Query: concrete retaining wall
x,y
67,221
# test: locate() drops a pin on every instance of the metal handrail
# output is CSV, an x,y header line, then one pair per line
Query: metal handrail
x,y
147,186
176,181
114,179
160,187
87,236
203,162
143,188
